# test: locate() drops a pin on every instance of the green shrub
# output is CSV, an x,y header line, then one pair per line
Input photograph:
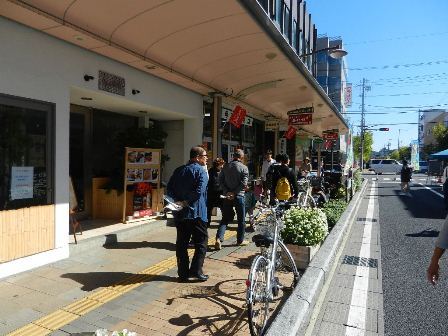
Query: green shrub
x,y
333,209
304,226
339,193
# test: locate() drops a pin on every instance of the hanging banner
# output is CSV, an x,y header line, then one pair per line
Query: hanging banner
x,y
237,117
290,132
248,121
415,155
348,95
300,119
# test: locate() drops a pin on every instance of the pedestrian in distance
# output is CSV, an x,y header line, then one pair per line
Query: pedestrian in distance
x,y
445,186
233,180
284,182
405,176
305,167
188,188
441,245
267,162
214,190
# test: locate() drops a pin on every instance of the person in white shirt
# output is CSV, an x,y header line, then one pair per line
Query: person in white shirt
x,y
267,162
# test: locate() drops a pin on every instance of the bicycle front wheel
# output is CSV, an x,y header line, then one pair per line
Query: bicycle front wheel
x,y
286,268
257,296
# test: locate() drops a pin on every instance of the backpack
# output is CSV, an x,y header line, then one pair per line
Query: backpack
x,y
406,172
283,189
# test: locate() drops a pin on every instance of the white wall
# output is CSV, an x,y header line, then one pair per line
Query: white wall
x,y
37,66
174,147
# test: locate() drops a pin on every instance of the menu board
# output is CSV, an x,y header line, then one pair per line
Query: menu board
x,y
142,169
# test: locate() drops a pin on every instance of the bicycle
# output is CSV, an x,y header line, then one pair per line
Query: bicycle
x,y
305,198
263,284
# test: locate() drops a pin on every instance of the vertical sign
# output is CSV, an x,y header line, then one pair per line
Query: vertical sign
x,y
348,95
415,155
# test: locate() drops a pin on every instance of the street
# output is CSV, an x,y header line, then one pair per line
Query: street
x,y
408,229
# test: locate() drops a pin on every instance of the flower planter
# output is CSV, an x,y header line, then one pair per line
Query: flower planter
x,y
302,254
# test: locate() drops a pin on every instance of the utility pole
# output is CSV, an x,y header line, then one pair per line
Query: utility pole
x,y
364,89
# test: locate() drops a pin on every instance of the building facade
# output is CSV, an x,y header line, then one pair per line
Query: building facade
x,y
75,79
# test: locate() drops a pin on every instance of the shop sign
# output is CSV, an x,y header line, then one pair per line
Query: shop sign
x,y
309,109
22,182
348,95
271,125
300,119
318,140
330,136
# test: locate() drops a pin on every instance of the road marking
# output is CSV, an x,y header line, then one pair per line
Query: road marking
x,y
63,316
432,190
356,321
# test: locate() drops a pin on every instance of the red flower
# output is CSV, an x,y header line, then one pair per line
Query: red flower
x,y
142,188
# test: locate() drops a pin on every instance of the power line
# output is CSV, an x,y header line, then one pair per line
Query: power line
x,y
396,38
408,94
396,66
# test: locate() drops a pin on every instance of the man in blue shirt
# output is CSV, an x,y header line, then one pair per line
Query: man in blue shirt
x,y
188,187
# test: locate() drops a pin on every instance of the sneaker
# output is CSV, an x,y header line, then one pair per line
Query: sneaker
x,y
218,245
243,243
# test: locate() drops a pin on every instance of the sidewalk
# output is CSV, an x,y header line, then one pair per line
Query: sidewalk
x,y
131,284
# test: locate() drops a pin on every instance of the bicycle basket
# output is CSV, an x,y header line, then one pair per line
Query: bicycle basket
x,y
265,223
303,185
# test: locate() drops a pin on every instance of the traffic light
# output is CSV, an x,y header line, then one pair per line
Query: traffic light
x,y
384,129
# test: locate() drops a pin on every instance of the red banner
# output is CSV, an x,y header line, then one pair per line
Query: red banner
x,y
237,117
328,144
330,136
300,119
289,134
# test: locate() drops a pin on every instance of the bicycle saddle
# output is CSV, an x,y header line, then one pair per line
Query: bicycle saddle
x,y
262,240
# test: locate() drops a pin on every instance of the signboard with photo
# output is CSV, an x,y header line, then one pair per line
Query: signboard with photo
x,y
142,171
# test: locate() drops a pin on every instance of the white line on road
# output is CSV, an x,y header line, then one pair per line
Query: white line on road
x,y
356,321
432,190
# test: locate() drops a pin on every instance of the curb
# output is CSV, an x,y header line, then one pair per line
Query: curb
x,y
295,313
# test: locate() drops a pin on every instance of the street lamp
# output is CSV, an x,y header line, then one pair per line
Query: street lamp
x,y
335,52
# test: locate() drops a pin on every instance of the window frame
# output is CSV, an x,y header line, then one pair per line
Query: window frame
x,y
50,147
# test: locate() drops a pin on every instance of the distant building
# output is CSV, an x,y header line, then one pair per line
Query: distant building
x,y
427,120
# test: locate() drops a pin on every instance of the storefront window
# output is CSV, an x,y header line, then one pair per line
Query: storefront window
x,y
26,143
235,133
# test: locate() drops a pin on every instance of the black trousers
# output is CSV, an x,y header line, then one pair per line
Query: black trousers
x,y
445,194
186,229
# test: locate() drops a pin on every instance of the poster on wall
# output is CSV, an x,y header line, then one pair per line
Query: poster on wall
x,y
415,155
22,182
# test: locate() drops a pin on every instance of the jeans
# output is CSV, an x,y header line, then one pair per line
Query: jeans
x,y
185,229
227,217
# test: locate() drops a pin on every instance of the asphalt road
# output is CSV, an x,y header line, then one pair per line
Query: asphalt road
x,y
408,229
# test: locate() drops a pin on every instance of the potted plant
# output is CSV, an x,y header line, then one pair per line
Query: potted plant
x,y
304,231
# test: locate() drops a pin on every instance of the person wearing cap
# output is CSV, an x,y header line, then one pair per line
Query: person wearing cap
x,y
305,167
233,179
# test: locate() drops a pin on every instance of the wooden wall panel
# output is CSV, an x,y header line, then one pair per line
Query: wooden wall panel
x,y
26,231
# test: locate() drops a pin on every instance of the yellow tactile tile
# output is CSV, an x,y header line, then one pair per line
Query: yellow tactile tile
x,y
73,311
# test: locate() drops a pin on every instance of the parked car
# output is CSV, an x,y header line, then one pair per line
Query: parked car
x,y
381,166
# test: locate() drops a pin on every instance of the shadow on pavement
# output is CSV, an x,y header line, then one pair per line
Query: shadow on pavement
x,y
425,233
94,280
143,244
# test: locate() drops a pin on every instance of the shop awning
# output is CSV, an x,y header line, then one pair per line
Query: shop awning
x,y
440,155
203,45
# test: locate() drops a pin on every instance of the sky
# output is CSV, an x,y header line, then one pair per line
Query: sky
x,y
401,48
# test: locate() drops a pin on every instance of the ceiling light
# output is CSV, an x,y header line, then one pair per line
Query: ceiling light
x,y
303,87
150,67
271,55
78,38
86,98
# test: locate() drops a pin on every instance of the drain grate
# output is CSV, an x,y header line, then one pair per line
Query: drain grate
x,y
360,261
366,219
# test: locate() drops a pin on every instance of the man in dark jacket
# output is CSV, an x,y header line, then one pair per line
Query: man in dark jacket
x,y
214,190
188,187
233,180
280,171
